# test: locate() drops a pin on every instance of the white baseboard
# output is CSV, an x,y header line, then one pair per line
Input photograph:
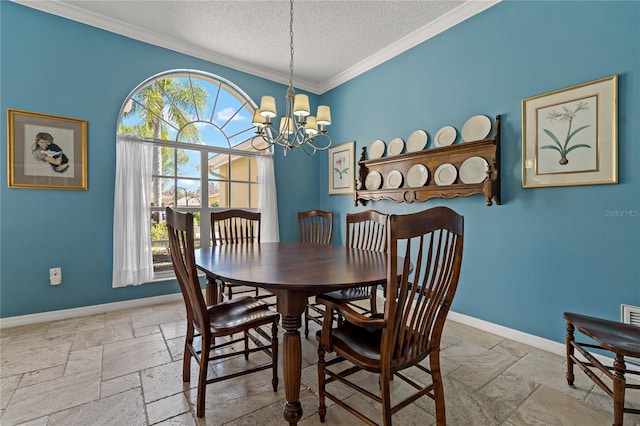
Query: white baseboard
x,y
509,333
86,310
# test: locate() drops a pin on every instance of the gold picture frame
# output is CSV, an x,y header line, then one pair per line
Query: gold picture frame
x,y
341,169
46,151
570,136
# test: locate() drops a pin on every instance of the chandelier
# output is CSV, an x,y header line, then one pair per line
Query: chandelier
x,y
298,128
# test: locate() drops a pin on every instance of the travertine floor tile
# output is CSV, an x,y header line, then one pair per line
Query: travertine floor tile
x,y
73,325
125,408
128,356
119,384
166,380
83,361
41,399
155,317
478,365
509,389
465,406
550,372
166,408
7,386
547,406
185,419
15,361
43,375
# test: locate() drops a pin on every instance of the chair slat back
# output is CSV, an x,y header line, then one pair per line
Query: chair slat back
x,y
315,226
367,230
431,244
235,227
181,247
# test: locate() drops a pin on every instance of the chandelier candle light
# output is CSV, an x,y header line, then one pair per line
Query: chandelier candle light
x,y
298,128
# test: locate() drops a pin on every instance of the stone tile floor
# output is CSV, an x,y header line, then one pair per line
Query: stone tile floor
x,y
124,368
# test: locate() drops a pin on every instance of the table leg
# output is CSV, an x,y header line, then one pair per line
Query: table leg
x,y
291,305
211,292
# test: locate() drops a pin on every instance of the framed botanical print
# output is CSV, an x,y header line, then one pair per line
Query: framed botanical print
x,y
46,151
570,137
341,169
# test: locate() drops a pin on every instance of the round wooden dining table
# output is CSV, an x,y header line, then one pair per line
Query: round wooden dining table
x,y
293,272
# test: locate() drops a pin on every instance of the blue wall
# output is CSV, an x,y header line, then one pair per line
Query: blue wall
x,y
544,251
57,66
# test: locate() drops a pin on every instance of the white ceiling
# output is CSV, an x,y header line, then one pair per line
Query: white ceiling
x,y
334,41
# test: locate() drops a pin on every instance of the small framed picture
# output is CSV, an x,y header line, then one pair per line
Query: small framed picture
x,y
570,136
46,151
341,169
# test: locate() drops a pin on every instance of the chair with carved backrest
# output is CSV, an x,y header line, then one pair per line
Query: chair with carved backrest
x,y
424,257
315,227
237,226
622,340
244,315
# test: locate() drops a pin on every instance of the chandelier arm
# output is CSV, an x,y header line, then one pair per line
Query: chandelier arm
x,y
312,141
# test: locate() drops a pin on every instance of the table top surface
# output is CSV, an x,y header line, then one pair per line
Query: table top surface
x,y
293,266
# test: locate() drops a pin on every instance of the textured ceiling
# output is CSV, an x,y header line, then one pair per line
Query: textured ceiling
x,y
333,40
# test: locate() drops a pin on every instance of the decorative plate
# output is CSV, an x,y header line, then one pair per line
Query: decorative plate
x,y
417,141
417,175
473,170
476,128
373,180
395,146
445,136
394,179
445,174
376,150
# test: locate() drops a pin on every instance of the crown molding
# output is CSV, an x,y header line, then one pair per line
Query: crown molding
x,y
74,13
432,29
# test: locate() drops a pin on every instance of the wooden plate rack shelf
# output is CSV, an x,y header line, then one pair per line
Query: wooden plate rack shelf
x,y
432,158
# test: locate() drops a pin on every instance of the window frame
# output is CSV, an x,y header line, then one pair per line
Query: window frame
x,y
205,152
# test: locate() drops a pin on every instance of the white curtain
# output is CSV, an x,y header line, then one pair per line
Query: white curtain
x,y
268,200
132,259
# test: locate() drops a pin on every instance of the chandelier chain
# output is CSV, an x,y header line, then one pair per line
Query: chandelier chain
x,y
294,131
291,44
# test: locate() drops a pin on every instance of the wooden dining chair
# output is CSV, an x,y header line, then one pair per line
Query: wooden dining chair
x,y
622,340
316,227
365,230
237,226
244,316
424,257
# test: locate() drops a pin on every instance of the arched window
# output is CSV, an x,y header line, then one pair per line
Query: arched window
x,y
198,130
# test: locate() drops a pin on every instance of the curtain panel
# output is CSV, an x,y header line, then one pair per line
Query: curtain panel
x,y
268,200
132,257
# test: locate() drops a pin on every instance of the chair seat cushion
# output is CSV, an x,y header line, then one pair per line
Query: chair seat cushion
x,y
620,338
239,314
358,345
357,293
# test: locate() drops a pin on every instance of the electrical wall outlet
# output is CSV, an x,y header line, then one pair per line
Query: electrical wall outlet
x,y
55,276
